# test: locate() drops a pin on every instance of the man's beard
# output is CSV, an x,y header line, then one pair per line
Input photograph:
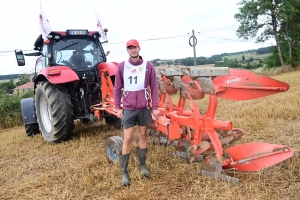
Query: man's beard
x,y
134,56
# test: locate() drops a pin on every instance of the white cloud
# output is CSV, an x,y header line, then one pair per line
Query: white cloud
x,y
125,19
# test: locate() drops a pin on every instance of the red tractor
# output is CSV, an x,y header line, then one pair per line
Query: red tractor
x,y
68,84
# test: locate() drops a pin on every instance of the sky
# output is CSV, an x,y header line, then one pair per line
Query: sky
x,y
163,27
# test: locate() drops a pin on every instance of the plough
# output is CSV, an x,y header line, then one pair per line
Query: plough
x,y
193,133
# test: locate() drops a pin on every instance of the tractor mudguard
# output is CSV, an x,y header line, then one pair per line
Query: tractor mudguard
x,y
110,66
58,75
28,111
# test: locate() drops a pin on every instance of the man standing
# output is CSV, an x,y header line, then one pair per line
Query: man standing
x,y
134,80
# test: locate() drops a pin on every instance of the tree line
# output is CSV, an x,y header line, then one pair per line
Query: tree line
x,y
9,76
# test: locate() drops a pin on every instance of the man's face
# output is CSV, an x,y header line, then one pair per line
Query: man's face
x,y
133,51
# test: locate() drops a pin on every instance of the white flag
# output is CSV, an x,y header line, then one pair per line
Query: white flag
x,y
100,29
44,23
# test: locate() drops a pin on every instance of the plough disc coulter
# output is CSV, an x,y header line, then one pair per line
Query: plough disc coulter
x,y
193,133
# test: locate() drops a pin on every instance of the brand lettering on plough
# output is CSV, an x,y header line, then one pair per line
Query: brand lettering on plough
x,y
233,80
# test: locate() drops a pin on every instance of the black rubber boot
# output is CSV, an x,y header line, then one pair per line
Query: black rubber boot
x,y
142,158
124,164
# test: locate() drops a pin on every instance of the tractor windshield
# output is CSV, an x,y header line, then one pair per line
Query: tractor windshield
x,y
79,54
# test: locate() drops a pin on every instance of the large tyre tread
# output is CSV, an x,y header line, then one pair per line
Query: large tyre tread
x,y
59,102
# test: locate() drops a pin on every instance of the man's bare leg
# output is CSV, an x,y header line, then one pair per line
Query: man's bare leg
x,y
142,137
128,133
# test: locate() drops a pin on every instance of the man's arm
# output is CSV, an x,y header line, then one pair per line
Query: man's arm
x,y
153,86
118,85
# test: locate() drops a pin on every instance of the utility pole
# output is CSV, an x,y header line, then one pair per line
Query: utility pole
x,y
193,45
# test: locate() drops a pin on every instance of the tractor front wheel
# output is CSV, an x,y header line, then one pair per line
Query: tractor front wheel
x,y
54,111
32,129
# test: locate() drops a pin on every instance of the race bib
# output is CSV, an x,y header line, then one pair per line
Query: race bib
x,y
134,76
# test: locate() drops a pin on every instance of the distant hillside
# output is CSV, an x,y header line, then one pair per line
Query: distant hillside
x,y
247,59
260,51
247,56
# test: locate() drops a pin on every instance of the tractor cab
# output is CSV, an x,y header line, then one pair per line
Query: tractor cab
x,y
80,50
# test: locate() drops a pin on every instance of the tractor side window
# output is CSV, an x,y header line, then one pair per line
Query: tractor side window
x,y
45,56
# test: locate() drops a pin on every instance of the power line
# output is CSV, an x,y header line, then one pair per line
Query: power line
x,y
8,55
164,38
12,51
231,39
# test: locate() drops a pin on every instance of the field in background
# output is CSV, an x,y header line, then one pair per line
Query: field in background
x,y
78,169
247,56
7,80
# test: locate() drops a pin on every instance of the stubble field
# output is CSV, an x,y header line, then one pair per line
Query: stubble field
x,y
78,169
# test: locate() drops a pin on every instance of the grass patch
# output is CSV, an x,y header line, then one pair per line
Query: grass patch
x,y
247,56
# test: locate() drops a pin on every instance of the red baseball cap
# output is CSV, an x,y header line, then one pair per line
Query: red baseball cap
x,y
132,42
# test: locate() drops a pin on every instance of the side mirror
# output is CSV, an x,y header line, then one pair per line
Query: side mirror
x,y
20,57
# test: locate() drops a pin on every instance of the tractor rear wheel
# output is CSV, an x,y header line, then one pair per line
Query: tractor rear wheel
x,y
32,129
54,111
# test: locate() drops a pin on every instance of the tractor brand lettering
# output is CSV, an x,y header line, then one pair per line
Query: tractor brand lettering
x,y
232,80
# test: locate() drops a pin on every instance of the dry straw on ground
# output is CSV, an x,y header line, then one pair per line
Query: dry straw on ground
x,y
78,169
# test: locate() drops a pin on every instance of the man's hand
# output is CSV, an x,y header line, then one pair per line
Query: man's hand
x,y
156,114
120,113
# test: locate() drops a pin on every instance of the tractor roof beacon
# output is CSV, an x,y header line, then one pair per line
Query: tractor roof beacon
x,y
67,83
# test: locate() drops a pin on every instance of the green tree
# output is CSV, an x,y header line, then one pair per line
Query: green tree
x,y
272,60
243,58
7,87
289,31
263,50
155,62
23,78
233,63
263,16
